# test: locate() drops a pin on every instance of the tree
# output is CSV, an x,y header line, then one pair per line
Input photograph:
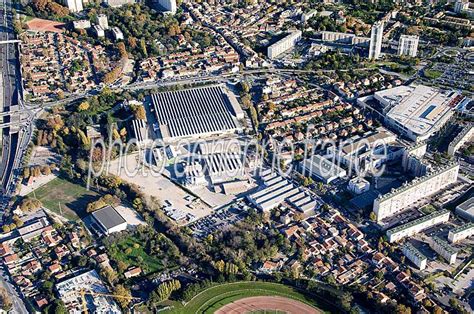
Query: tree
x,y
26,172
30,204
139,112
373,216
122,50
5,300
402,309
83,106
122,296
109,274
164,290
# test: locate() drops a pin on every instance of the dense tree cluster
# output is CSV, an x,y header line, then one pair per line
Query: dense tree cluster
x,y
164,291
102,202
48,9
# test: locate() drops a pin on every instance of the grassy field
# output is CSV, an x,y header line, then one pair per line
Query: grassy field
x,y
137,256
432,74
212,299
65,198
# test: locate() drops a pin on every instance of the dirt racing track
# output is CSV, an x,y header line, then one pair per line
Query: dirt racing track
x,y
267,303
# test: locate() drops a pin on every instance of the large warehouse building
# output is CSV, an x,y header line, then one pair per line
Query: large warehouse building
x,y
197,113
278,190
397,200
416,111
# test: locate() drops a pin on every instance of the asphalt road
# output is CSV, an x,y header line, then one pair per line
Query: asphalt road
x,y
10,76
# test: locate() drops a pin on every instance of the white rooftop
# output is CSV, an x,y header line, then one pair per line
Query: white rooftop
x,y
417,108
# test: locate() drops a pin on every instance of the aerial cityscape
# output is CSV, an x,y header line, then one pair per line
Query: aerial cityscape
x,y
237,156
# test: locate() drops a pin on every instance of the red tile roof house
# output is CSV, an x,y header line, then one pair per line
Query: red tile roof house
x,y
5,249
10,259
133,272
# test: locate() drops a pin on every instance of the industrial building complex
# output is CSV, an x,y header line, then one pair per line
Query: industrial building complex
x,y
277,190
195,113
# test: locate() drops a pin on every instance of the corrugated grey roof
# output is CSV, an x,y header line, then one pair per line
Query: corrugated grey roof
x,y
108,217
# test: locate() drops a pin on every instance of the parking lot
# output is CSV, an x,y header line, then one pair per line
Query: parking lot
x,y
219,220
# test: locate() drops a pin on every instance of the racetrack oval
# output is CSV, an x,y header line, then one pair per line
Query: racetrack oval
x,y
261,304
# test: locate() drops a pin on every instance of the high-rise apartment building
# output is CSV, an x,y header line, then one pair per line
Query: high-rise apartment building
x,y
376,36
73,5
408,45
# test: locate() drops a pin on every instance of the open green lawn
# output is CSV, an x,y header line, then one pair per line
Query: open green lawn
x,y
215,297
432,74
136,257
65,198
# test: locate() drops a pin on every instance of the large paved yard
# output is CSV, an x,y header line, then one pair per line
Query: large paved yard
x,y
160,187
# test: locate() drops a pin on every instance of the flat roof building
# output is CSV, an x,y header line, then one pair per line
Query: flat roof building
x,y
401,198
366,152
197,113
109,220
466,135
322,169
278,190
376,37
408,45
466,209
70,293
461,232
414,255
417,225
417,111
444,249
98,31
284,44
117,33
81,24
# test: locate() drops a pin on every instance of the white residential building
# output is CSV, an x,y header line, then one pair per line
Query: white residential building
x,y
81,24
414,255
284,44
73,5
118,3
399,199
99,31
344,38
418,225
466,135
461,5
167,6
444,249
461,232
117,33
376,37
408,45
102,21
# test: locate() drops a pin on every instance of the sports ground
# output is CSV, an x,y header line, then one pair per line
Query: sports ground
x,y
248,297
